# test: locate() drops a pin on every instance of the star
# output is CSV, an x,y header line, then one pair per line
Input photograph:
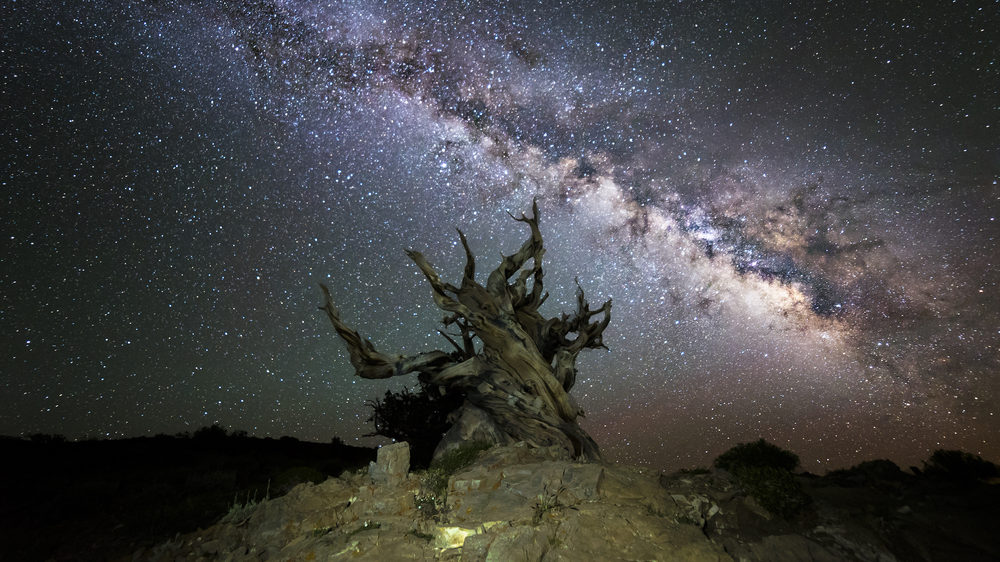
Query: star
x,y
794,211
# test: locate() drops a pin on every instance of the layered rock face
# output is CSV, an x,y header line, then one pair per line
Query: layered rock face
x,y
520,503
513,503
391,465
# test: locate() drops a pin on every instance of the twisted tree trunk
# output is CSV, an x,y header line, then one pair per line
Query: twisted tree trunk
x,y
516,385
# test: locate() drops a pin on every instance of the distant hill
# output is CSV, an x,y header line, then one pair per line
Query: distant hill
x,y
98,500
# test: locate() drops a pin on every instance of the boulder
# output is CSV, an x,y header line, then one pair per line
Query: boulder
x,y
473,424
391,465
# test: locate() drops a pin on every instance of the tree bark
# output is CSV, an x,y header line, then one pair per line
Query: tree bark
x,y
516,385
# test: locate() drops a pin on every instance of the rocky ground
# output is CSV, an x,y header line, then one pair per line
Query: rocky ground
x,y
515,503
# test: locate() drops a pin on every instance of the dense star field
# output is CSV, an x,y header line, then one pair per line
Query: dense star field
x,y
793,206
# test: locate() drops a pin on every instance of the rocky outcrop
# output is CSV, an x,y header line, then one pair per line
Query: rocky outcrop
x,y
519,503
513,503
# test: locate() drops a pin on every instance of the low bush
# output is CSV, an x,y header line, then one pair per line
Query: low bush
x,y
759,453
292,477
959,466
775,489
460,457
418,417
441,469
879,472
764,471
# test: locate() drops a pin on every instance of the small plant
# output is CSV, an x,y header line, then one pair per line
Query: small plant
x,y
240,513
460,457
320,531
547,502
441,469
436,481
427,505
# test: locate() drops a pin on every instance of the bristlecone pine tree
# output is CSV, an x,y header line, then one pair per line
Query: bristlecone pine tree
x,y
516,379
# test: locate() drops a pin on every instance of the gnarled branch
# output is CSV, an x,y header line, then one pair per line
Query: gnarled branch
x,y
371,364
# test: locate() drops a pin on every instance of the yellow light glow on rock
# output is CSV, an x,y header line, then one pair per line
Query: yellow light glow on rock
x,y
452,537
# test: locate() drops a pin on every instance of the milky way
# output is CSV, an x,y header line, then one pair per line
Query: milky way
x,y
793,208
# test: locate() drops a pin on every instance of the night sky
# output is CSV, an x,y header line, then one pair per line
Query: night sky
x,y
793,206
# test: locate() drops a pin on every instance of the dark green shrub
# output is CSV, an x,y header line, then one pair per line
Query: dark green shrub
x,y
959,466
212,433
420,418
460,457
877,472
291,477
764,471
759,453
441,469
775,489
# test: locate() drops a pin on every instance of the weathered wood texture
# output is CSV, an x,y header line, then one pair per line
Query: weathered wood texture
x,y
516,381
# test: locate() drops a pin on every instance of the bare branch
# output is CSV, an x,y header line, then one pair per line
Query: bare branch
x,y
441,289
555,331
470,261
470,346
509,265
371,364
451,341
